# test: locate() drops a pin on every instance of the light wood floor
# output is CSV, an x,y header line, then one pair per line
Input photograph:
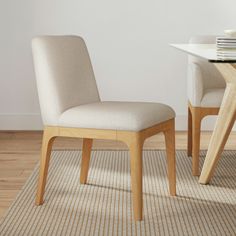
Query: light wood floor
x,y
20,151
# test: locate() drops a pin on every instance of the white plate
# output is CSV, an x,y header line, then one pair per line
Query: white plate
x,y
226,46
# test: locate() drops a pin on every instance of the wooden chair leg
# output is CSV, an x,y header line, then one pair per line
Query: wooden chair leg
x,y
136,177
86,152
189,148
196,129
171,163
44,164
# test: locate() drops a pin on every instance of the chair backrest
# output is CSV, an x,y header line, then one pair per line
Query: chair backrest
x,y
211,76
64,75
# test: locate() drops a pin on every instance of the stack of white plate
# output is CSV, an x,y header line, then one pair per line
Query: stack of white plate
x,y
226,42
226,47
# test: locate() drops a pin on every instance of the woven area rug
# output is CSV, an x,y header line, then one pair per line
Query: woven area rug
x,y
103,206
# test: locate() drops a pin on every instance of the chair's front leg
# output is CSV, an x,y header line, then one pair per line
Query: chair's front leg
x,y
170,149
136,145
196,124
86,152
44,164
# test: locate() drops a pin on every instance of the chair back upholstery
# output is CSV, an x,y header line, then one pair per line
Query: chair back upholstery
x,y
202,75
64,75
211,77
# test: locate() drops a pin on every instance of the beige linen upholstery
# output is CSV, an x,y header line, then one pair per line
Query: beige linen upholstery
x,y
212,97
71,107
133,116
205,83
65,82
64,75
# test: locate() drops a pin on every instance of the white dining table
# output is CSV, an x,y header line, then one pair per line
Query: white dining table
x,y
226,116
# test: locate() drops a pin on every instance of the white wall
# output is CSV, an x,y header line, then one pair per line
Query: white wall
x,y
128,43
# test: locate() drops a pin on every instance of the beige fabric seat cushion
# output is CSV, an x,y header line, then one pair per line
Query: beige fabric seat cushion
x,y
132,116
212,97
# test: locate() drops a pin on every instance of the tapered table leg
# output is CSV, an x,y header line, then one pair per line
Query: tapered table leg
x,y
224,122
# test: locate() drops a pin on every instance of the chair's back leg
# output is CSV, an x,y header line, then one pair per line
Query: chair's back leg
x,y
86,152
44,164
171,163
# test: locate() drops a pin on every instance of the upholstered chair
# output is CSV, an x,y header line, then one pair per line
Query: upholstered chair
x,y
206,88
71,107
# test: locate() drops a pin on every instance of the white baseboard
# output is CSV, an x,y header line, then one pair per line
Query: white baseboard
x,y
208,123
20,122
34,122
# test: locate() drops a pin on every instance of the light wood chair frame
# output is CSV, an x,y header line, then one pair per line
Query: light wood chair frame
x,y
195,116
134,141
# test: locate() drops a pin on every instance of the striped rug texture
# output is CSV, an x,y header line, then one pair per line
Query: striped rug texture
x,y
103,206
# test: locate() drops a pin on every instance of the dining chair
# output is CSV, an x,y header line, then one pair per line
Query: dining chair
x,y
71,107
206,88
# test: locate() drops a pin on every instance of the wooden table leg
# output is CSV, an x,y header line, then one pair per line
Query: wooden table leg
x,y
224,123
